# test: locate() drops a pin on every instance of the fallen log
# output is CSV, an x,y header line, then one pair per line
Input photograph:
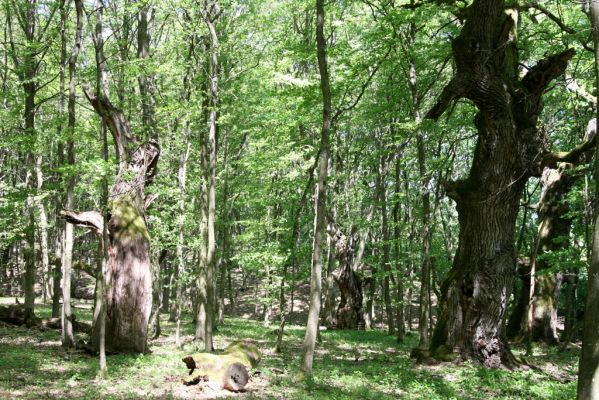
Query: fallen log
x,y
228,370
17,314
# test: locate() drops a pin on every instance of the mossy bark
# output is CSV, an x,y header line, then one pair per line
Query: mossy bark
x,y
128,273
228,370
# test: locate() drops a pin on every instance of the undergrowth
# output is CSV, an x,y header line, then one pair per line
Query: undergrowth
x,y
348,365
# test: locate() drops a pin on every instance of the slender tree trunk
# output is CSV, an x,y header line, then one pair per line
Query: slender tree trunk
x,y
291,261
67,247
321,192
424,303
182,179
398,254
43,230
382,176
211,13
588,372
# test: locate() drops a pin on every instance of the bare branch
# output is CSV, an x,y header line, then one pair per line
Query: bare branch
x,y
89,219
365,85
538,77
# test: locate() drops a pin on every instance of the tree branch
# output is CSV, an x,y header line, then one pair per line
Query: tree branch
x,y
114,119
576,155
365,85
89,219
454,90
538,77
536,6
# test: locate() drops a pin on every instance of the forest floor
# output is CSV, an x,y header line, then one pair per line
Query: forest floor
x,y
348,365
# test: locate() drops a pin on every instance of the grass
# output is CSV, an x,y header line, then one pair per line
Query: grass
x,y
348,365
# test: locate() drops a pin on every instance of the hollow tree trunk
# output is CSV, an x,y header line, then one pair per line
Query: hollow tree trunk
x,y
476,291
350,314
553,224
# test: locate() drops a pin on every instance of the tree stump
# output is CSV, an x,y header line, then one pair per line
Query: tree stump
x,y
228,370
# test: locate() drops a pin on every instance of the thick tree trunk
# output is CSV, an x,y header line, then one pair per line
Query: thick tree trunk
x,y
329,294
476,291
56,278
129,291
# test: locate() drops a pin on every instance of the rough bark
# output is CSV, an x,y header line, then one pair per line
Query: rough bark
x,y
553,225
553,235
329,294
509,150
56,278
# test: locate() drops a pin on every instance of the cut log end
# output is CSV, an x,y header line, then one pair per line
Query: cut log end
x,y
236,377
229,370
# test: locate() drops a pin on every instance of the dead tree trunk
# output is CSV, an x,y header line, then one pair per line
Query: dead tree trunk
x,y
553,235
129,291
508,151
350,314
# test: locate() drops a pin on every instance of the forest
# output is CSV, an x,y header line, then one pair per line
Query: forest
x,y
299,199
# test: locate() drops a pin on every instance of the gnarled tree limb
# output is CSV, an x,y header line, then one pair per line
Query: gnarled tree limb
x,y
454,90
89,219
576,155
114,119
538,77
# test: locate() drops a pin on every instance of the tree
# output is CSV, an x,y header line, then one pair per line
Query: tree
x,y
476,291
321,193
588,384
129,286
67,251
